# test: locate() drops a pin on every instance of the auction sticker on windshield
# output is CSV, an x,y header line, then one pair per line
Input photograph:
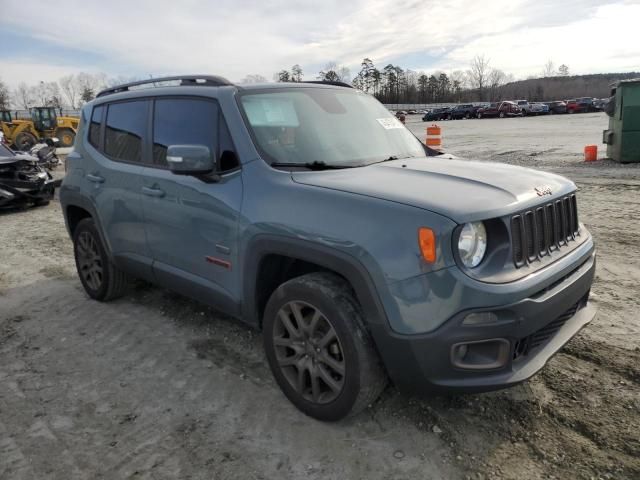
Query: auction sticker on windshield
x,y
390,122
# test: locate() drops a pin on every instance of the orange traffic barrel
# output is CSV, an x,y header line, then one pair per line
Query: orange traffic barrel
x,y
434,137
590,153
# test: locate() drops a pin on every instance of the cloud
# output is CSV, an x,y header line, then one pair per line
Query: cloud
x,y
235,38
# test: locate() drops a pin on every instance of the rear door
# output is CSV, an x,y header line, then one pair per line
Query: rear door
x,y
192,222
115,153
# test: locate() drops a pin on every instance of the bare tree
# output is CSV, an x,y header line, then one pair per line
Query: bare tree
x,y
563,70
344,74
4,96
254,78
296,73
495,80
68,86
334,73
282,76
549,69
23,96
478,73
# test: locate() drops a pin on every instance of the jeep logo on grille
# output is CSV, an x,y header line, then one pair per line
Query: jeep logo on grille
x,y
543,190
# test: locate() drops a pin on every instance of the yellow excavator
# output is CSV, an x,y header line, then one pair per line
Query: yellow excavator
x,y
44,123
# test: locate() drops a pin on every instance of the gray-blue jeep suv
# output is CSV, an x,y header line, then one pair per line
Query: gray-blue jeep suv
x,y
308,211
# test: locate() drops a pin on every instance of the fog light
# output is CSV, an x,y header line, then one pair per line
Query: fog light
x,y
480,318
481,354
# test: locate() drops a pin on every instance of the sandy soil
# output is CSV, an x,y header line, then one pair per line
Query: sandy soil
x,y
155,386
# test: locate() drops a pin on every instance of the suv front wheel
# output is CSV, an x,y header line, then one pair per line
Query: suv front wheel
x,y
101,279
318,350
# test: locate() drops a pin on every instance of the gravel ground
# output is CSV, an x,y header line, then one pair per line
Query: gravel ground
x,y
155,386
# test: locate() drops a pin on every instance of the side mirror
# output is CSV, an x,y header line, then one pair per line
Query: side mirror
x,y
190,159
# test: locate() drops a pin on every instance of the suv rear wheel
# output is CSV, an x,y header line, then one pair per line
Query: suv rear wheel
x,y
101,279
318,350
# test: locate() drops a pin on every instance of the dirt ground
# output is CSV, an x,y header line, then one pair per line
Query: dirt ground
x,y
154,386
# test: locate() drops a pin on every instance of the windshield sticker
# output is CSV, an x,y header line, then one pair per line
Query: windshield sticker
x,y
270,112
390,122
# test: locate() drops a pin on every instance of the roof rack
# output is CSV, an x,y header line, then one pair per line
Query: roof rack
x,y
329,82
185,80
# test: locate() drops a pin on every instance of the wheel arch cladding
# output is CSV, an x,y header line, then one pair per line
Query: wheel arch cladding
x,y
272,255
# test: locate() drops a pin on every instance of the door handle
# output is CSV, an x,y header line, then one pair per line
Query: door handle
x,y
95,178
153,192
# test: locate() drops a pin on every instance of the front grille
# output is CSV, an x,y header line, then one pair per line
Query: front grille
x,y
539,231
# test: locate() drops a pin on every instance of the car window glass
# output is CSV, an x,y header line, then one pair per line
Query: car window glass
x,y
126,124
94,127
183,121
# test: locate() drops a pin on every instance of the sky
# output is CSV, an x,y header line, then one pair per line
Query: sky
x,y
234,38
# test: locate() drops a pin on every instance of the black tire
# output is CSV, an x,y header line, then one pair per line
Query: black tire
x,y
110,282
42,202
524,112
501,115
66,137
479,115
24,141
330,298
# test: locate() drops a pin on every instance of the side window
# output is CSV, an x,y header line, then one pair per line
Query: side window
x,y
94,126
183,121
126,125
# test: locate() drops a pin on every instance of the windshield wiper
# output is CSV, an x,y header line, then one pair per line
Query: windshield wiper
x,y
392,157
311,165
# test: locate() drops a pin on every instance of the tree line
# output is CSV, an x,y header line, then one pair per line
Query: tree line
x,y
481,82
390,84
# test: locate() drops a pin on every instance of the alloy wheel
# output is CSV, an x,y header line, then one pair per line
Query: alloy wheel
x,y
89,260
308,352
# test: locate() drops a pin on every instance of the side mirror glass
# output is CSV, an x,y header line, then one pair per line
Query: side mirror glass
x,y
190,159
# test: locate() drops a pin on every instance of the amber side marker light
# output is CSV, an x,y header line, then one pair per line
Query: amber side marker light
x,y
427,242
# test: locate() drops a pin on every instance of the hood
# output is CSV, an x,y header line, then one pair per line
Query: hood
x,y
461,190
18,157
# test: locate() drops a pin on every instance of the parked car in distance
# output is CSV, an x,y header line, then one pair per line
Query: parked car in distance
x,y
465,110
580,105
587,104
501,109
557,106
539,108
234,197
524,106
436,114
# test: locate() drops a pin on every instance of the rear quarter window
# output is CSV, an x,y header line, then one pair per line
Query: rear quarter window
x,y
94,126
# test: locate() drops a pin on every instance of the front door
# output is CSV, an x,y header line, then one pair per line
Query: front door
x,y
192,223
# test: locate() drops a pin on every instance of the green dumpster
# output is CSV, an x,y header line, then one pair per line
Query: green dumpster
x,y
623,136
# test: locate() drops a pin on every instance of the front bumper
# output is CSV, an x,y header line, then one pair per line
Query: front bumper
x,y
11,195
534,328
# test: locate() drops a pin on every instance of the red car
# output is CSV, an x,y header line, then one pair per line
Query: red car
x,y
501,109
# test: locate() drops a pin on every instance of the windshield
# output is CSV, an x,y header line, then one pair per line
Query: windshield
x,y
337,127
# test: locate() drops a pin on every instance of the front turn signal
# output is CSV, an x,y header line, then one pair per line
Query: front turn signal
x,y
427,242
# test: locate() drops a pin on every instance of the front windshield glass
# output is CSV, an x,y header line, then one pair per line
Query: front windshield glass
x,y
336,127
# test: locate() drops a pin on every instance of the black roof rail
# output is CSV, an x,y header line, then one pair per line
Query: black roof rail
x,y
329,82
188,80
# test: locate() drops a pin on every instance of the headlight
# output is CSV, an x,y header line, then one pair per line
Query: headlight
x,y
472,244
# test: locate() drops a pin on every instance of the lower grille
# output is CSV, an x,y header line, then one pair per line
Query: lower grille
x,y
540,337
